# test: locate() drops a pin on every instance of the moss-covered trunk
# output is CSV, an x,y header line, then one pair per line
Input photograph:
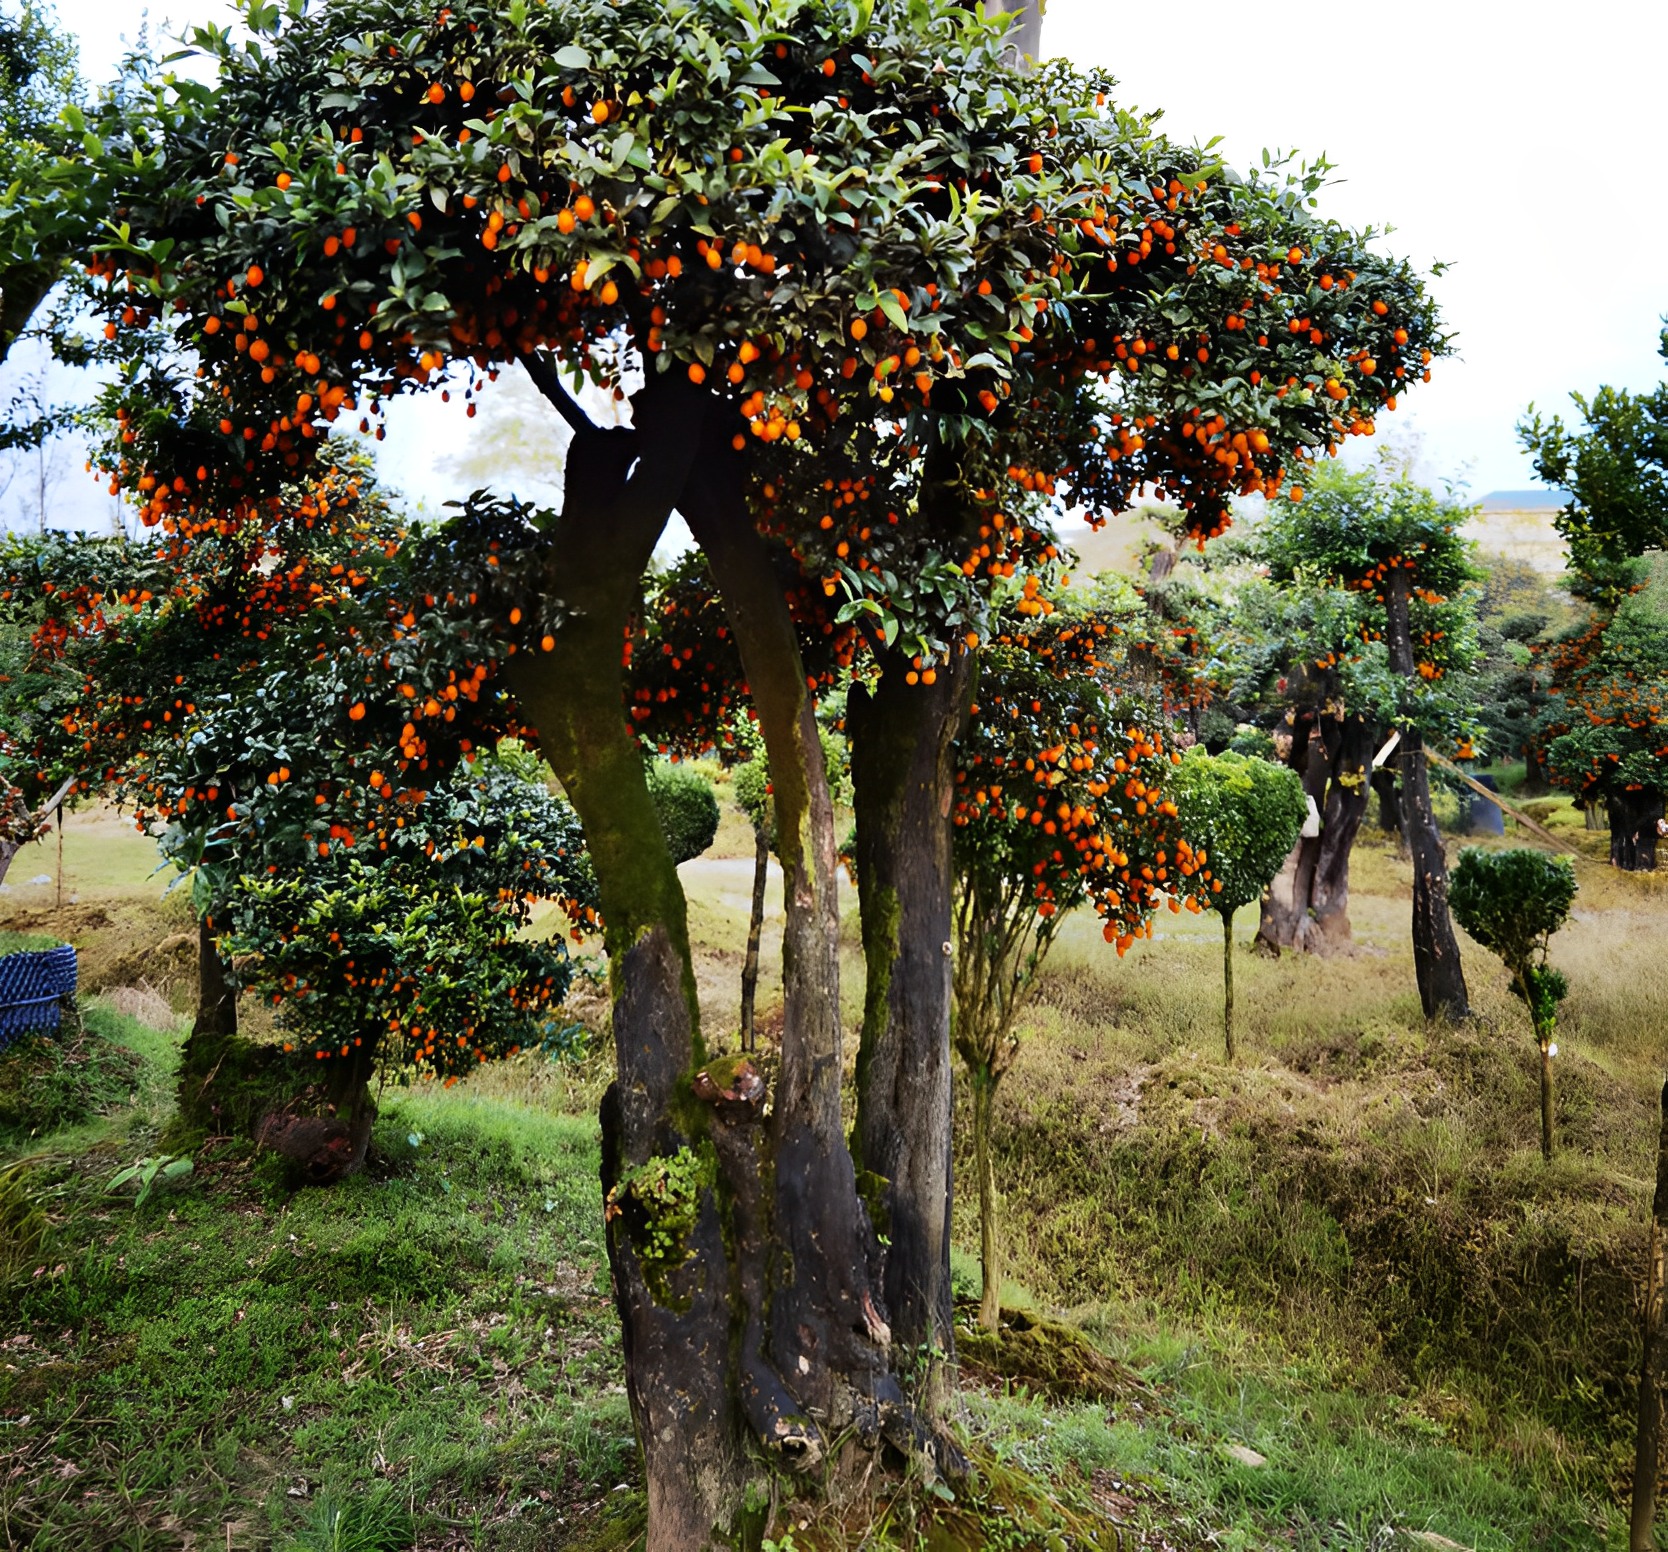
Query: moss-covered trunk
x,y
903,737
1653,1364
667,1249
1436,955
213,1059
815,1347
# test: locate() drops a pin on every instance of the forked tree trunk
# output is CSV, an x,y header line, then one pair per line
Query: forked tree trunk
x,y
902,749
674,1284
984,1167
1633,833
1436,956
817,1354
1307,905
755,931
1653,1364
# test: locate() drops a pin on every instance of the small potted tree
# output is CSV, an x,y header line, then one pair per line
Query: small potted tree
x,y
1242,816
1512,902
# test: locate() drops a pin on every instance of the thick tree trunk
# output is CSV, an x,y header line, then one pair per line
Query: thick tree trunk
x,y
22,290
902,744
1228,980
1633,834
212,1041
984,1166
755,930
348,1089
827,1341
1653,1364
1593,815
673,1279
1307,905
1436,956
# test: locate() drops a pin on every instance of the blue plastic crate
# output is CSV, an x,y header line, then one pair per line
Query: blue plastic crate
x,y
32,992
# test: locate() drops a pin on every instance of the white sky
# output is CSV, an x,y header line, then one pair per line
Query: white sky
x,y
1516,139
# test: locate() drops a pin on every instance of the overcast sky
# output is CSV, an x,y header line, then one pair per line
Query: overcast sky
x,y
1515,139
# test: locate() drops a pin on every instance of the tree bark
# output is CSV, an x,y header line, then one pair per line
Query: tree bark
x,y
22,290
902,749
984,1166
755,930
827,1338
1228,980
673,1284
1389,802
213,1039
1436,956
1653,1365
1633,836
1307,906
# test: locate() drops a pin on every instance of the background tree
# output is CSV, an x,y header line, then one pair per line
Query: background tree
x,y
507,197
1310,667
1242,815
39,80
686,806
414,962
1381,535
1512,902
1061,801
1604,732
1616,471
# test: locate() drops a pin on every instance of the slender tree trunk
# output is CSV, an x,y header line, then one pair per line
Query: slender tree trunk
x,y
1633,835
1653,1364
1593,814
1228,980
902,746
755,930
1548,1143
984,1166
348,1088
1436,956
1389,801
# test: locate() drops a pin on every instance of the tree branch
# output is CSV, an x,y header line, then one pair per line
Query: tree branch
x,y
549,382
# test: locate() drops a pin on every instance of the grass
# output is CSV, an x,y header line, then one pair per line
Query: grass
x,y
1342,1253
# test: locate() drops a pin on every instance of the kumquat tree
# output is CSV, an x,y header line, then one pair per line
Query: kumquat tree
x,y
882,305
1061,801
1397,545
184,682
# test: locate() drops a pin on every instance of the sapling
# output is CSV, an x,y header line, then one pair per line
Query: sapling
x,y
1242,816
1512,902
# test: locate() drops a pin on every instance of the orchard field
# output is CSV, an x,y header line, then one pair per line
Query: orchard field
x,y
1342,1253
749,812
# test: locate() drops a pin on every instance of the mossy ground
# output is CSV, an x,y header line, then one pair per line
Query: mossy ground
x,y
1342,1253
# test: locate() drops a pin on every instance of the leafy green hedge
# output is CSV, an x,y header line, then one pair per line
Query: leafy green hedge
x,y
688,808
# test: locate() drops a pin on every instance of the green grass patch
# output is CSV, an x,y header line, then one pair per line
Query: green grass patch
x,y
427,1348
